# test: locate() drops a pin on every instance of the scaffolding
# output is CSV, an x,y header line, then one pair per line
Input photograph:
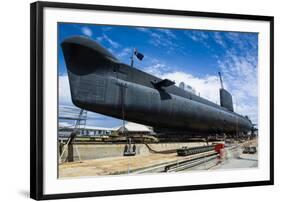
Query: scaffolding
x,y
76,120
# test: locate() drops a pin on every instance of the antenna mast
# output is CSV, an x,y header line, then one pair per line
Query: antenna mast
x,y
221,80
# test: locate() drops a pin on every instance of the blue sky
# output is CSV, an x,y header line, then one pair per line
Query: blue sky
x,y
191,56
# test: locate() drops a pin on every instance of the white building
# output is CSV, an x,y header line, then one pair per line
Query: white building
x,y
131,127
65,129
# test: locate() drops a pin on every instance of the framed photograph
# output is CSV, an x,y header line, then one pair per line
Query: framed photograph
x,y
131,100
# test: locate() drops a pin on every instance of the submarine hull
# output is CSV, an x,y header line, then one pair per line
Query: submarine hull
x,y
101,84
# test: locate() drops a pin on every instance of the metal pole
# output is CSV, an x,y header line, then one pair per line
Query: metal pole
x,y
221,80
123,110
132,58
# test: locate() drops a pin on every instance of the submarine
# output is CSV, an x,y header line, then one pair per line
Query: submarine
x,y
100,83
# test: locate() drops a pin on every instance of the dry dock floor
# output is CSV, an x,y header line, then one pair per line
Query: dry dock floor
x,y
129,164
116,165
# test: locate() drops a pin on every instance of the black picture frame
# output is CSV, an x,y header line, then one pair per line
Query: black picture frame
x,y
36,98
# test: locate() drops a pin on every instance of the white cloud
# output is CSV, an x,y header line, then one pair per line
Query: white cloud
x,y
105,38
161,38
156,39
64,90
87,31
219,39
207,86
203,37
168,32
156,67
238,65
142,29
248,109
106,28
125,52
241,75
198,36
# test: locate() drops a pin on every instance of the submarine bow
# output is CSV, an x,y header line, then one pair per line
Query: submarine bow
x,y
101,83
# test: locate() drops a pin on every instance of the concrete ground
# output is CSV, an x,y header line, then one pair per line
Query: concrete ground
x,y
244,161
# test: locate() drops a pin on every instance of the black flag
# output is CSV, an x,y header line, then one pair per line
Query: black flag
x,y
139,55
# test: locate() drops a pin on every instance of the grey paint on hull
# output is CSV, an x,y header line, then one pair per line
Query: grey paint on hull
x,y
102,84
